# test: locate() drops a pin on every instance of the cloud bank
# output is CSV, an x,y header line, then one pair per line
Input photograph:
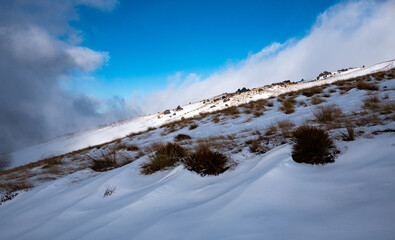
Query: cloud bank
x,y
38,48
349,34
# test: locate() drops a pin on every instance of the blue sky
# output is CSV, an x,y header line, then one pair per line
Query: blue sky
x,y
150,40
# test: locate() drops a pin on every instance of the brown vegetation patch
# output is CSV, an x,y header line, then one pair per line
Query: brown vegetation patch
x,y
163,157
204,161
312,145
327,113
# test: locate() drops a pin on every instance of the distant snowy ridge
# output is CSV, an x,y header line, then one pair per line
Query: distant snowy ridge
x,y
83,139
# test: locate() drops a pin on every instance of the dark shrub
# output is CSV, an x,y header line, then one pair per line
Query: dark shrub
x,y
312,145
181,137
193,126
165,156
206,162
104,162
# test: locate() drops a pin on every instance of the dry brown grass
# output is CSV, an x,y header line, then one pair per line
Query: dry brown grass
x,y
286,127
288,106
368,120
104,161
163,156
327,113
315,100
349,134
311,91
372,102
220,143
182,137
126,146
271,130
256,146
15,185
193,126
230,111
362,85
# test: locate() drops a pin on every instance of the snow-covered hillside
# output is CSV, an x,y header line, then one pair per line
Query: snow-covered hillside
x,y
118,130
267,197
264,195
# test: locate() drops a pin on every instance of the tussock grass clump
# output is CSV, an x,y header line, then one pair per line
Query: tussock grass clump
x,y
288,106
105,161
125,146
317,100
193,126
312,145
285,126
255,146
15,185
181,137
230,111
216,119
311,91
204,161
327,113
368,120
349,134
271,130
372,102
165,156
362,85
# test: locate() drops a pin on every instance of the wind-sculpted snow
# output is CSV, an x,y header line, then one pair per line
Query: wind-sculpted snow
x,y
266,197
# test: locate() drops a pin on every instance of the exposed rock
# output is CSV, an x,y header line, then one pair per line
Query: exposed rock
x,y
239,91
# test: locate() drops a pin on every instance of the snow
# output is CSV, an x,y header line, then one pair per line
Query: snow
x,y
266,197
118,130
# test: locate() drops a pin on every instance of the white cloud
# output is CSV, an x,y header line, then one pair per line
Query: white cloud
x,y
347,34
87,59
104,5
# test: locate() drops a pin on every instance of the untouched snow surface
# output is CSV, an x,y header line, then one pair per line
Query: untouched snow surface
x,y
118,130
267,197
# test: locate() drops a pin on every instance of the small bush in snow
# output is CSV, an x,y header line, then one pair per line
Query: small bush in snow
x,y
327,113
181,137
288,106
104,161
312,145
311,91
165,156
317,100
193,126
349,134
255,146
206,162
